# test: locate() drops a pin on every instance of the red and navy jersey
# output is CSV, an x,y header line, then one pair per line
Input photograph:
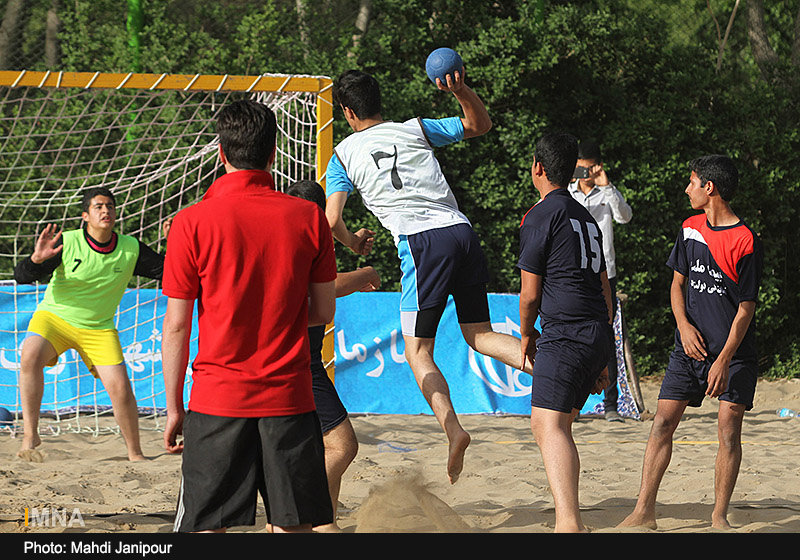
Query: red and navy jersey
x,y
561,241
723,267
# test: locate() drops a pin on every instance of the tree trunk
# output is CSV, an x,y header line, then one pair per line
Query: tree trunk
x,y
362,23
763,53
51,52
722,41
300,7
796,44
11,33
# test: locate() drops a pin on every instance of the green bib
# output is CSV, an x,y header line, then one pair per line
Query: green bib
x,y
87,286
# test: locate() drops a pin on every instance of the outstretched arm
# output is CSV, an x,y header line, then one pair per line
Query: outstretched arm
x,y
364,279
359,242
149,263
45,258
476,118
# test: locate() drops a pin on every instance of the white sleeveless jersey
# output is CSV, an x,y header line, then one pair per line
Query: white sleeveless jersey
x,y
393,167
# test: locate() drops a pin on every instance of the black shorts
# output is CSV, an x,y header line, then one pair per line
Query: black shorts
x,y
569,359
438,263
330,410
686,379
227,462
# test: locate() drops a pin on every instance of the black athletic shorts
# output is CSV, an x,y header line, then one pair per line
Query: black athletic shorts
x,y
686,379
569,359
227,462
330,410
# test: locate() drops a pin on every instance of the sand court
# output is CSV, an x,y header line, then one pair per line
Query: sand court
x,y
398,481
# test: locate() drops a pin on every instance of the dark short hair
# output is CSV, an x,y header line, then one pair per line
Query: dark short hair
x,y
90,193
557,152
308,190
589,149
358,91
720,170
246,132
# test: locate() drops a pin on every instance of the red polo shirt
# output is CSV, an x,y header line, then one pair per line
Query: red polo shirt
x,y
247,253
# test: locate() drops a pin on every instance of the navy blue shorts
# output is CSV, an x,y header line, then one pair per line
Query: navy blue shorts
x,y
686,379
330,409
569,359
329,406
436,264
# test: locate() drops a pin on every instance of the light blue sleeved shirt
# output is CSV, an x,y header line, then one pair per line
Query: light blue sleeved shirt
x,y
439,132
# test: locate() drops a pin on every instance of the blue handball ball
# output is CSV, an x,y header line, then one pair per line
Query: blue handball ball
x,y
441,62
5,416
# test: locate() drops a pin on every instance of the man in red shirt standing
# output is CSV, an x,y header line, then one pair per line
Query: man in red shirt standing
x,y
261,267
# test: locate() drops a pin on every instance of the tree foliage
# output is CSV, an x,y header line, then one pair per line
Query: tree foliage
x,y
640,76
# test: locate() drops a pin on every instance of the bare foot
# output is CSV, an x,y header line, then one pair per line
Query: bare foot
x,y
571,529
721,523
638,520
137,457
455,459
28,452
31,455
329,528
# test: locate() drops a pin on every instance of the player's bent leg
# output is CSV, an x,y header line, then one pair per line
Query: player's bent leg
x,y
37,352
552,430
657,456
116,382
419,355
729,459
472,309
500,346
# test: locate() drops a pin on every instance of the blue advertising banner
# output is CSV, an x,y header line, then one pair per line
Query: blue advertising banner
x,y
68,384
371,373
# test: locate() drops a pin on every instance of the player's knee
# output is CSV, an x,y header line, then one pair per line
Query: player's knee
x,y
32,362
729,435
473,332
664,426
350,451
118,387
417,354
341,441
730,439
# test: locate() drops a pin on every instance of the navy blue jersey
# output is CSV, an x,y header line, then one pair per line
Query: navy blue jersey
x,y
723,266
560,241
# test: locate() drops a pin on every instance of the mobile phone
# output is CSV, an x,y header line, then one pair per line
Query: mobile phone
x,y
581,172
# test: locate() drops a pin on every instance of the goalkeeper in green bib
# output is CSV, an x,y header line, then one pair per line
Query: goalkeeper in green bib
x,y
90,268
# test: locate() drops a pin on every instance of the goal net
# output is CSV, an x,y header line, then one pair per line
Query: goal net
x,y
150,139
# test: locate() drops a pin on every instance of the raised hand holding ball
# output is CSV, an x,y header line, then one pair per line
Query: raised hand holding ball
x,y
444,61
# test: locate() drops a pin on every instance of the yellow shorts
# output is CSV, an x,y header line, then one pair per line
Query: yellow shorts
x,y
96,346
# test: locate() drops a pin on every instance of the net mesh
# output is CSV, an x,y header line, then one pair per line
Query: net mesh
x,y
157,151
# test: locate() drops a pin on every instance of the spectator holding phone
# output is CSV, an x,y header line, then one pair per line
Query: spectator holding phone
x,y
592,188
